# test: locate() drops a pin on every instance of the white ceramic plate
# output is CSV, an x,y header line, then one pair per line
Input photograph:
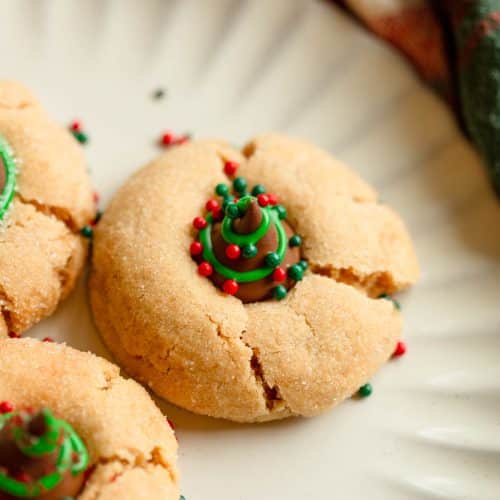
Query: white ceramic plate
x,y
234,68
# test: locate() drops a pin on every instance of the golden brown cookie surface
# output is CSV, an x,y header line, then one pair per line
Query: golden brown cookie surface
x,y
132,449
41,250
209,352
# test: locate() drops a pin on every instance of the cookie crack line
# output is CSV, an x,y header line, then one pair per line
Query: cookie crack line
x,y
61,274
270,393
304,317
109,380
139,462
61,214
5,312
372,284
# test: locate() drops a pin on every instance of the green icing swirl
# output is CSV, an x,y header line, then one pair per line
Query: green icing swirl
x,y
48,443
8,191
245,239
269,215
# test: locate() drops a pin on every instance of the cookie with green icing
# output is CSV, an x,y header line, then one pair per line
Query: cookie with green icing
x,y
244,284
41,456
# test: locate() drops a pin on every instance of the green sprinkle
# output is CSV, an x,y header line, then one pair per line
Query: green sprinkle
x,y
240,184
303,264
222,189
279,292
227,199
232,210
98,216
395,303
295,272
272,259
365,390
87,232
182,497
295,241
281,211
258,189
249,251
158,94
81,137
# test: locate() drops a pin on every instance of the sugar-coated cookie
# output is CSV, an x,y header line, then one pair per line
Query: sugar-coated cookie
x,y
245,285
45,198
72,427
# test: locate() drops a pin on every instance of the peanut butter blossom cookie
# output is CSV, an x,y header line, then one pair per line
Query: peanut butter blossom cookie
x,y
45,199
41,456
72,428
245,284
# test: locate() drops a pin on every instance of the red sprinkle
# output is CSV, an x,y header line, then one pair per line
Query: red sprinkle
x,y
17,420
196,248
48,339
400,349
167,139
279,274
205,269
75,126
230,167
230,287
273,199
23,477
212,205
199,223
96,197
181,140
263,200
233,252
6,407
14,335
218,215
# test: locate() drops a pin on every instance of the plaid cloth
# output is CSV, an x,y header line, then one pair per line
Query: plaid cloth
x,y
455,47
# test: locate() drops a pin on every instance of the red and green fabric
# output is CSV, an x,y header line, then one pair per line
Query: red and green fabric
x,y
455,47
